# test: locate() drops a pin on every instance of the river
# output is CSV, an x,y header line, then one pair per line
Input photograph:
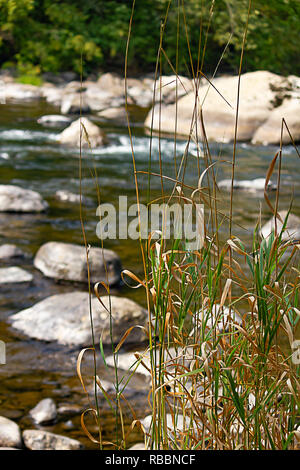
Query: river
x,y
31,158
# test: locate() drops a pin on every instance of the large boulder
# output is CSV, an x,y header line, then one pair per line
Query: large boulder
x,y
43,440
10,434
66,261
16,199
20,92
71,135
292,230
65,318
259,92
14,275
270,131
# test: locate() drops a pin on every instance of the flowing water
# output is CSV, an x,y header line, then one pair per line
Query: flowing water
x,y
31,158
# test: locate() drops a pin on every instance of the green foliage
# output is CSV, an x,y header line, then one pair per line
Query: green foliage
x,y
54,35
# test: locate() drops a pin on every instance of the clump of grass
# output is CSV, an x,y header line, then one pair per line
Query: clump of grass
x,y
222,321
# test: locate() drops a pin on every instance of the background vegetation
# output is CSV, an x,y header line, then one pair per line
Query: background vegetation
x,y
48,35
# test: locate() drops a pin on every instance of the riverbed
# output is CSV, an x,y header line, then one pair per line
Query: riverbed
x,y
30,157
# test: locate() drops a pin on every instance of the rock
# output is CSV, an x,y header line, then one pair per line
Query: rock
x,y
14,275
53,120
10,434
44,412
111,83
68,425
74,103
140,94
99,98
270,131
20,92
65,318
66,196
258,94
9,251
69,410
138,446
220,319
130,393
128,361
166,88
255,185
292,230
52,94
115,114
43,440
16,199
181,423
71,135
66,261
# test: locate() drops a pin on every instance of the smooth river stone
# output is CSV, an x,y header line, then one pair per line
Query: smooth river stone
x,y
292,231
44,412
67,261
9,251
65,318
257,184
16,199
71,135
43,440
10,434
14,275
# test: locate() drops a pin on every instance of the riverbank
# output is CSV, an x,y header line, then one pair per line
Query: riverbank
x,y
265,99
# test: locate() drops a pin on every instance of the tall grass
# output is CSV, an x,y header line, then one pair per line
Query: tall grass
x,y
221,320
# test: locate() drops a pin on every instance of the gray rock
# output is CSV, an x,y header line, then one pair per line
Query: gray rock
x,y
270,131
69,410
138,446
292,231
66,261
43,440
67,196
9,251
181,424
44,412
10,434
65,318
98,98
52,94
115,114
21,92
14,275
16,199
71,135
258,92
73,103
218,318
53,119
129,362
130,393
257,184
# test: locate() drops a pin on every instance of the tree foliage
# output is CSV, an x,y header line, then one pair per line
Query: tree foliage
x,y
51,35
